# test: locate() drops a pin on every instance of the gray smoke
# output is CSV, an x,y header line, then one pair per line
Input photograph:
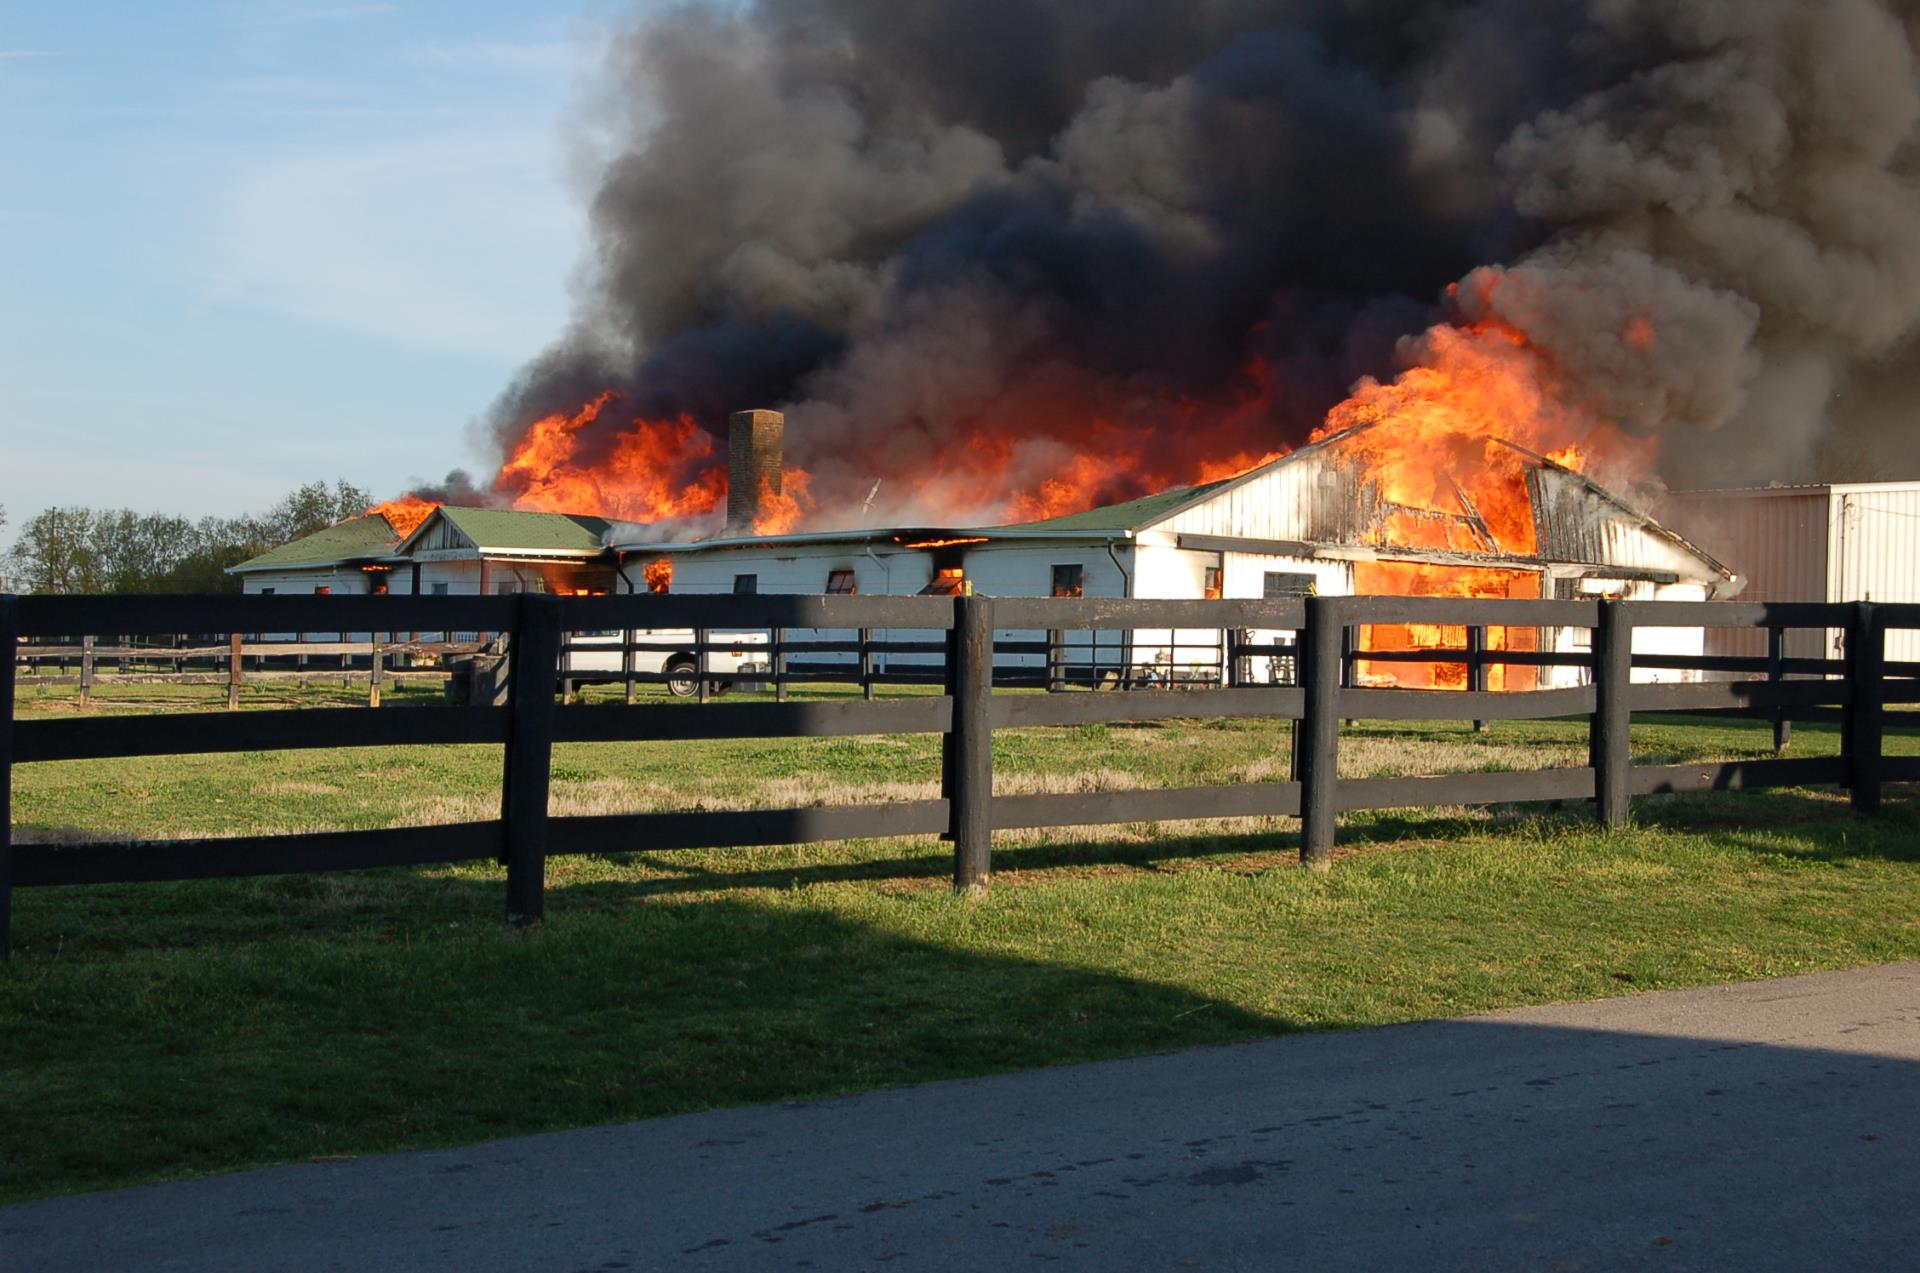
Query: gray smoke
x,y
932,229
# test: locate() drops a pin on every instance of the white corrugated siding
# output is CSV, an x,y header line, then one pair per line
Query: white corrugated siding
x,y
1875,537
1875,534
1300,500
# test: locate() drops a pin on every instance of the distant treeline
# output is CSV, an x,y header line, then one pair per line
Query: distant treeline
x,y
78,549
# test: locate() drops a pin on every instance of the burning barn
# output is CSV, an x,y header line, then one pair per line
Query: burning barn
x,y
1325,519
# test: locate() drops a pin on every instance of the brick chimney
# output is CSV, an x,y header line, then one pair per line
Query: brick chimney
x,y
754,445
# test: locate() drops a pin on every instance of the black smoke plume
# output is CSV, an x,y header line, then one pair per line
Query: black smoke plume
x,y
902,220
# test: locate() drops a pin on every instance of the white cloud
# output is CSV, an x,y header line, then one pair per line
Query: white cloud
x,y
459,242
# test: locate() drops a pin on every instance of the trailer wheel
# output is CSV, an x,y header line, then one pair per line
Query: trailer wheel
x,y
683,676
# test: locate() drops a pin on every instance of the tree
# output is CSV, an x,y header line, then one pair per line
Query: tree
x,y
55,552
309,508
119,550
135,551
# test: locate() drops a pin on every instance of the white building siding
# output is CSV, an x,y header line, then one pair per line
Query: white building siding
x,y
1282,503
1246,574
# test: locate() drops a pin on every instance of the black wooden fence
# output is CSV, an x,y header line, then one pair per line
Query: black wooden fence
x,y
969,644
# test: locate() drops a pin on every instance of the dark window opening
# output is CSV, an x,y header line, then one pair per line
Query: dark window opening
x,y
840,583
439,590
1280,583
1069,581
746,585
323,591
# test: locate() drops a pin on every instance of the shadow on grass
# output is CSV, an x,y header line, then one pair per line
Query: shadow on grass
x,y
144,1065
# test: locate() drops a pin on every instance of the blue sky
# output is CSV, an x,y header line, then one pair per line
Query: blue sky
x,y
244,246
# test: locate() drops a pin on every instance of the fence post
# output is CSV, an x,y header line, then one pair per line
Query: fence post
x,y
779,665
1349,659
1610,741
9,651
1477,666
866,662
1322,659
1865,715
86,669
702,691
1776,656
535,663
968,771
376,656
234,670
1056,660
626,664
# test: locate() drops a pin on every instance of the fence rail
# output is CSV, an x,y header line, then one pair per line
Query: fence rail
x,y
970,646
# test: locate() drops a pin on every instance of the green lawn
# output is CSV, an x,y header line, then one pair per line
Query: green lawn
x,y
153,1031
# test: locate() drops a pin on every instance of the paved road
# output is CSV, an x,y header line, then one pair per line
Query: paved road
x,y
1774,1125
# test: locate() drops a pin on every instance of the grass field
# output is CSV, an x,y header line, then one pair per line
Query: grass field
x,y
157,1030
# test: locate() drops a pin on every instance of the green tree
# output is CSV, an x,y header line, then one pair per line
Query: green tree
x,y
309,508
119,550
135,551
55,552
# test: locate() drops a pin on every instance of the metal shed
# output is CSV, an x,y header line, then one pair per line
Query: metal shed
x,y
1838,542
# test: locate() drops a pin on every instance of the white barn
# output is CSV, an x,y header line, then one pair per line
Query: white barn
x,y
1309,522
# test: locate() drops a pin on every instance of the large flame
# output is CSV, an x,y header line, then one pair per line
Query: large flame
x,y
780,510
1432,447
654,470
1413,579
1434,442
404,513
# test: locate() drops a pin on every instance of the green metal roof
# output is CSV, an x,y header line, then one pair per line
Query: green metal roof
x,y
531,532
1132,515
356,539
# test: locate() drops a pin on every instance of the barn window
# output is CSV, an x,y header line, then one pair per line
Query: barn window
x,y
266,592
1211,588
322,590
439,590
1282,583
506,587
948,581
1069,581
746,585
840,583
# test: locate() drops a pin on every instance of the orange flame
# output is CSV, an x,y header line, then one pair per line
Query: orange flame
x,y
781,510
1059,441
658,469
659,575
404,513
1411,579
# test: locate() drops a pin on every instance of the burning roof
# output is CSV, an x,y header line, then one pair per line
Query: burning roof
x,y
1328,499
